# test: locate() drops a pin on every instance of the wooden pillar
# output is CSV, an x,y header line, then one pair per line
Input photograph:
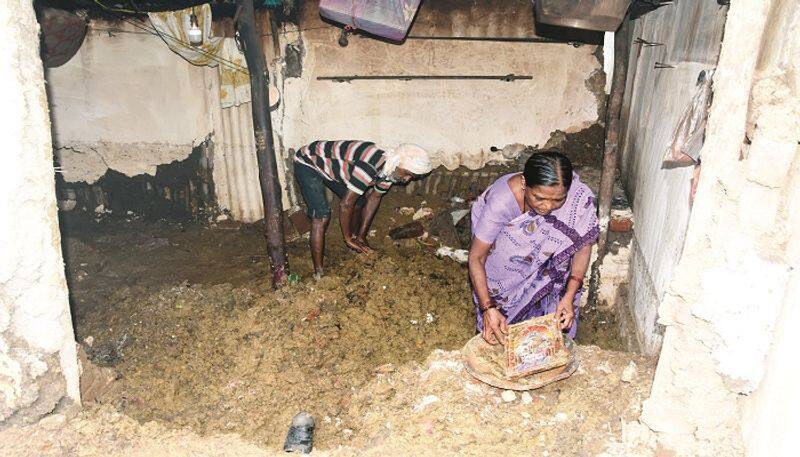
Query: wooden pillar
x,y
611,151
265,149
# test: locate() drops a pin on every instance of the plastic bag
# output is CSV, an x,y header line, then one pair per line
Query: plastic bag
x,y
689,135
387,18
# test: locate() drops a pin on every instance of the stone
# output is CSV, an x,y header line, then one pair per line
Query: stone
x,y
423,213
406,211
526,398
508,396
424,402
459,255
629,372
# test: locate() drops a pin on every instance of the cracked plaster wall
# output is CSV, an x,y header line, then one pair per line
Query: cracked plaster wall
x,y
126,102
456,120
726,382
38,364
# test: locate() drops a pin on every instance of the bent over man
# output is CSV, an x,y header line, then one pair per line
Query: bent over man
x,y
358,172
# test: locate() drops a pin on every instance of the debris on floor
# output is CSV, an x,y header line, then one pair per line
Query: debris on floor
x,y
411,230
459,255
198,343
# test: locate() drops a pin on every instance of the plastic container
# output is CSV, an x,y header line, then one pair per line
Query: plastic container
x,y
582,14
386,18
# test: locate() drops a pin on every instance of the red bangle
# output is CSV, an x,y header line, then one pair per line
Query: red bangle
x,y
487,305
575,278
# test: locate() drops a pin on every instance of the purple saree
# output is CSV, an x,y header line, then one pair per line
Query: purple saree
x,y
531,255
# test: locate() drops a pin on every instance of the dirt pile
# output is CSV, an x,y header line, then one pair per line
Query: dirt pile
x,y
428,409
246,359
439,408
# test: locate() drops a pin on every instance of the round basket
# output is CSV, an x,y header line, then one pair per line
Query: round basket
x,y
486,363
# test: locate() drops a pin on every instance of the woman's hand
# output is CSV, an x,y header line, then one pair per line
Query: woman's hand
x,y
565,313
495,327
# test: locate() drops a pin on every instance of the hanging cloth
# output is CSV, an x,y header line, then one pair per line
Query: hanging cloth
x,y
689,135
234,79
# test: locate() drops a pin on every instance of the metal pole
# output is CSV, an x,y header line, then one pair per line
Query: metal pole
x,y
347,78
265,150
621,48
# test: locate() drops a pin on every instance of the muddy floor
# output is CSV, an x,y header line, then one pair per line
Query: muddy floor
x,y
183,317
432,408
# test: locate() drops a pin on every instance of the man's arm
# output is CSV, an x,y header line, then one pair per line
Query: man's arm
x,y
346,207
370,208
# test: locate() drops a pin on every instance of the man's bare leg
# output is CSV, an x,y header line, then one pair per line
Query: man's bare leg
x,y
318,228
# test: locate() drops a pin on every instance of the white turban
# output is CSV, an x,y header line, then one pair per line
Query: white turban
x,y
408,157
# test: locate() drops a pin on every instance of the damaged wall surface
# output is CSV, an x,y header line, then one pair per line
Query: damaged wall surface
x,y
457,120
38,363
125,102
661,82
727,375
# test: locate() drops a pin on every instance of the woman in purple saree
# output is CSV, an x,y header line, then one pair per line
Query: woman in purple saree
x,y
532,237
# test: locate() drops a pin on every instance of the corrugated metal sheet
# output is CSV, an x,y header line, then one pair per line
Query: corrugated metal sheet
x,y
235,153
689,36
235,163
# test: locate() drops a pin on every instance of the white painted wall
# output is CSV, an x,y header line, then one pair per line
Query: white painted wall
x,y
690,33
727,373
127,102
38,364
772,412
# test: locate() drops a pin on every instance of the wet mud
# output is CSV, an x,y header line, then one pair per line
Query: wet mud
x,y
185,316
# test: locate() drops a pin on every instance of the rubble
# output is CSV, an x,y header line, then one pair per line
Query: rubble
x,y
459,255
508,396
423,213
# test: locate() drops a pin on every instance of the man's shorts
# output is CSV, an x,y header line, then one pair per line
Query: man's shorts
x,y
312,186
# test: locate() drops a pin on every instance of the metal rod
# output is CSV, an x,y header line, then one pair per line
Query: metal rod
x,y
504,39
265,150
608,174
509,78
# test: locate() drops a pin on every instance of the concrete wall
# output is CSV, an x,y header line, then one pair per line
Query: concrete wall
x,y
727,374
689,34
38,364
771,414
125,101
457,120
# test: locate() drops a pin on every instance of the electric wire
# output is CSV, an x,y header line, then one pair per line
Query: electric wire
x,y
163,35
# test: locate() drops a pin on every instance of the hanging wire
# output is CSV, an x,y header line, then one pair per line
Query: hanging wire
x,y
108,8
153,30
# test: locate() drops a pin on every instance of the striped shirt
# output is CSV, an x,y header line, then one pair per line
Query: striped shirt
x,y
356,164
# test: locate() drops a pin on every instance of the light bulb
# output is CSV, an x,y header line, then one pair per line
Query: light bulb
x,y
194,32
